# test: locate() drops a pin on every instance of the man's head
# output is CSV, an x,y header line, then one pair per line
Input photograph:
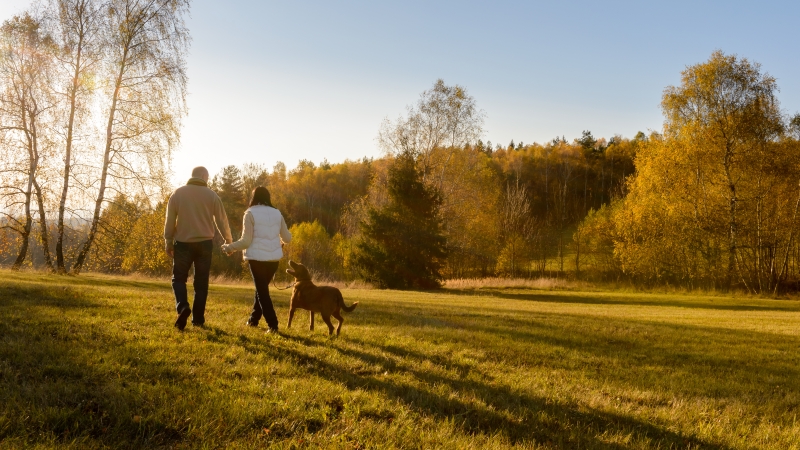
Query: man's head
x,y
200,172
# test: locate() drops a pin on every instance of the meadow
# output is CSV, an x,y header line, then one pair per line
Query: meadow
x,y
94,362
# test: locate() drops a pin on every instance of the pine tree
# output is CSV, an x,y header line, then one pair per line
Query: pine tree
x,y
403,245
228,184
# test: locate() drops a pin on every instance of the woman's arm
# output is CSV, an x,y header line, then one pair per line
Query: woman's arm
x,y
248,223
286,236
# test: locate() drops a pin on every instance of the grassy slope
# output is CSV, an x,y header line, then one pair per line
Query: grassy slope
x,y
94,361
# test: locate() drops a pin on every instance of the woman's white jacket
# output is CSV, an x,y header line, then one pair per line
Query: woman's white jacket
x,y
263,231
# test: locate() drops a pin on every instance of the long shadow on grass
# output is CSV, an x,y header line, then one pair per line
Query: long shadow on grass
x,y
34,295
66,381
498,410
691,360
91,281
582,298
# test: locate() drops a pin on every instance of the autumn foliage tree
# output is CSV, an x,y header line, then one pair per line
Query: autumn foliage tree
x,y
715,197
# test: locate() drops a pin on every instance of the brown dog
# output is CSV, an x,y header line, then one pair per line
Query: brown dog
x,y
326,300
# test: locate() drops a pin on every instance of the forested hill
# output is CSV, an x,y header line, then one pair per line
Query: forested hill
x,y
91,107
506,211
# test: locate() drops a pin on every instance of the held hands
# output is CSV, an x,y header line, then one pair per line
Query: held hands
x,y
226,249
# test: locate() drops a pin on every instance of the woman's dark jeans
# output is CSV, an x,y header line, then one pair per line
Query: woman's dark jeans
x,y
263,272
186,254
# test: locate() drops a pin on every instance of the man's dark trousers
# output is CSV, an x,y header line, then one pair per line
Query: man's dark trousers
x,y
186,254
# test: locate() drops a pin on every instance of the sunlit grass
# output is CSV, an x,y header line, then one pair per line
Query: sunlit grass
x,y
93,361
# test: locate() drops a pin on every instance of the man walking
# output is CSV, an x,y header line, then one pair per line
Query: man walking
x,y
193,212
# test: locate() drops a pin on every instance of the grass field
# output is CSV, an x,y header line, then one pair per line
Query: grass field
x,y
93,362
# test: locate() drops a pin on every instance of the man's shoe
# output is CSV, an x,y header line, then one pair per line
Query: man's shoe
x,y
271,330
180,322
198,325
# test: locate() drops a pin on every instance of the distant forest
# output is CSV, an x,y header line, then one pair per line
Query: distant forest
x,y
509,211
91,101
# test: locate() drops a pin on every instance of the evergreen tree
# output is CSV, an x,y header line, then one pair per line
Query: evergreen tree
x,y
228,184
403,245
587,141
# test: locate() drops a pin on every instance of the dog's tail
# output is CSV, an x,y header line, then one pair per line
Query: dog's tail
x,y
345,307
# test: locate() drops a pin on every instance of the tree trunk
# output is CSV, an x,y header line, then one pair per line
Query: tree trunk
x,y
731,235
577,255
81,259
26,230
45,240
60,267
33,148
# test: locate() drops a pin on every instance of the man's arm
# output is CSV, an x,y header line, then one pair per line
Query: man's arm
x,y
221,219
169,227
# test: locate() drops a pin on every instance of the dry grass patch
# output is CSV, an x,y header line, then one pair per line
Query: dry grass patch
x,y
518,283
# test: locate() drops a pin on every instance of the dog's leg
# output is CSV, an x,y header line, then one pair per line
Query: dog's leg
x,y
327,320
291,316
312,321
338,317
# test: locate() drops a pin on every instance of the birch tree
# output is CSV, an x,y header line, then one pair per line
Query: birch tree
x,y
445,117
145,43
76,27
25,64
728,109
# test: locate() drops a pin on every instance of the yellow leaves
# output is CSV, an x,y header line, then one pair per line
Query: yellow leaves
x,y
312,246
144,250
707,192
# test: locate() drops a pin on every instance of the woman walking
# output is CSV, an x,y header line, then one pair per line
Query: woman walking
x,y
264,233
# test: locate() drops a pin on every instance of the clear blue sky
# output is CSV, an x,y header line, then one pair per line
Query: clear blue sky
x,y
295,80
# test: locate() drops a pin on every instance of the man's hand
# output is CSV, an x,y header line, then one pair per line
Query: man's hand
x,y
170,251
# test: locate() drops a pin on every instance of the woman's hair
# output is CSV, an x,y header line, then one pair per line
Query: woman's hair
x,y
260,196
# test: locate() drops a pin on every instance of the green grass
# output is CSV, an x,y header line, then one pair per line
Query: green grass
x,y
93,362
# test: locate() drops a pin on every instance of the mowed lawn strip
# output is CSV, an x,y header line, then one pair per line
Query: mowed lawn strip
x,y
93,362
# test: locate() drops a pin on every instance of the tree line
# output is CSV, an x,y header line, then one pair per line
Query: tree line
x,y
502,210
93,94
508,211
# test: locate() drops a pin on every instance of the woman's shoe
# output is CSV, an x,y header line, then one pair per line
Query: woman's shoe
x,y
250,324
